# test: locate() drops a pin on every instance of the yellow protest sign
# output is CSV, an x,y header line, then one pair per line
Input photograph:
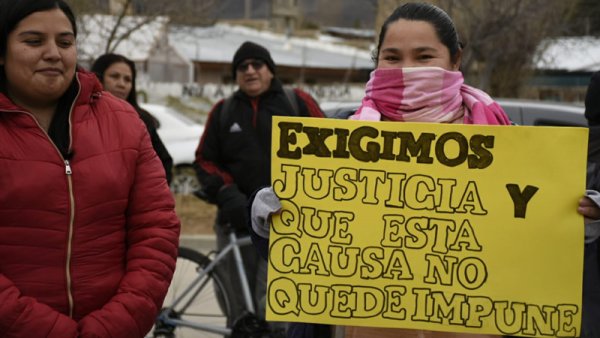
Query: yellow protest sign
x,y
442,227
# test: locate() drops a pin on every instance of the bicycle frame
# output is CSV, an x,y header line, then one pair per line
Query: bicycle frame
x,y
234,246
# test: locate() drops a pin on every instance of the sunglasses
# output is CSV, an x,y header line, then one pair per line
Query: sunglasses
x,y
256,65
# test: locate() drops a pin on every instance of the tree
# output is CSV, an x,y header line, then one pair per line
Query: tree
x,y
586,20
130,16
501,38
180,12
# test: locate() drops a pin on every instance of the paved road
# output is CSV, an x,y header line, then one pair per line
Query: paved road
x,y
204,244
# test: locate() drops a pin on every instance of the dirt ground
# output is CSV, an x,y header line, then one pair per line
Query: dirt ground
x,y
197,216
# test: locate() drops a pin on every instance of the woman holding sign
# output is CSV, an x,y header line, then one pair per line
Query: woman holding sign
x,y
417,79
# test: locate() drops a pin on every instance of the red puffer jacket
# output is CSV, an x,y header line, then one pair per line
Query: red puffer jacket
x,y
87,247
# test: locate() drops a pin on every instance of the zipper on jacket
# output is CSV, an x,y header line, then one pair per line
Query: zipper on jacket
x,y
69,172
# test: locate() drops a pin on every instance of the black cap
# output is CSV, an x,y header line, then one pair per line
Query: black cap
x,y
251,50
592,101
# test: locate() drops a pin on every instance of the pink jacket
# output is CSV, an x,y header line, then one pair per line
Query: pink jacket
x,y
89,253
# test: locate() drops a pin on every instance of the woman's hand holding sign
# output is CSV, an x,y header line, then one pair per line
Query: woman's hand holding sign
x,y
588,207
265,204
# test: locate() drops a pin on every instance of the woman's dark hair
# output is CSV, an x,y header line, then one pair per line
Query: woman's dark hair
x,y
416,11
13,11
104,61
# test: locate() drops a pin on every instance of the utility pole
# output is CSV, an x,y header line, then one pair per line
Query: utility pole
x,y
285,15
247,9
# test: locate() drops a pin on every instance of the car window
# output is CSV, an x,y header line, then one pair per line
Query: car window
x,y
553,116
538,113
556,123
513,112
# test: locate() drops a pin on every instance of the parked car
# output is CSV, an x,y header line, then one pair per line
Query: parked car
x,y
521,112
542,113
180,135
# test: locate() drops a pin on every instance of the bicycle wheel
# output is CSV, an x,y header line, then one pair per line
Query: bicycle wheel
x,y
207,303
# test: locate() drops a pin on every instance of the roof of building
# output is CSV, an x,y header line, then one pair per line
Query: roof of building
x,y
218,44
570,54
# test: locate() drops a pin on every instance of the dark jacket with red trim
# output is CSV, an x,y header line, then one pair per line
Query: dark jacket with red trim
x,y
238,150
88,241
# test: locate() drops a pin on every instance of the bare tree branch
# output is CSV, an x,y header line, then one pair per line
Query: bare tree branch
x,y
501,38
127,33
114,29
109,32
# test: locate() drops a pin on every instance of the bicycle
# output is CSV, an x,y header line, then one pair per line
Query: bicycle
x,y
198,304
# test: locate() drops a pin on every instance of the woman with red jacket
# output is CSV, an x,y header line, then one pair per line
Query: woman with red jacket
x,y
88,232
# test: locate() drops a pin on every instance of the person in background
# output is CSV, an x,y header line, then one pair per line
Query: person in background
x,y
590,326
233,158
118,76
88,231
418,52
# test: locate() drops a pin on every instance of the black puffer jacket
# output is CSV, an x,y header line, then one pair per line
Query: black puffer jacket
x,y
591,269
236,147
157,143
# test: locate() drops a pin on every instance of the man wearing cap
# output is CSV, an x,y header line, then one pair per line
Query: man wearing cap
x,y
233,158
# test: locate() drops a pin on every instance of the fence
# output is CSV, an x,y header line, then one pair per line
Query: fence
x,y
158,92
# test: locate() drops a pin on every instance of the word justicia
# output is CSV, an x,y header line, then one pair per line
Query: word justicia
x,y
368,144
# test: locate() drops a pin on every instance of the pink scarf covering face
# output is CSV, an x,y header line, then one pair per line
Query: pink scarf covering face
x,y
426,94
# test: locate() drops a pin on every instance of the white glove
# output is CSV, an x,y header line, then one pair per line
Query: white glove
x,y
264,205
